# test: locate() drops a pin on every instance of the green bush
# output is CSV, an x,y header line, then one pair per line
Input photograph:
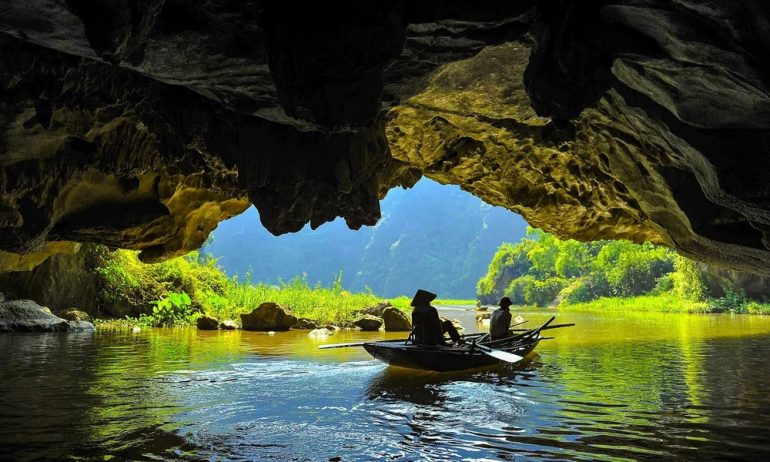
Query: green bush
x,y
688,280
543,293
732,301
173,310
580,290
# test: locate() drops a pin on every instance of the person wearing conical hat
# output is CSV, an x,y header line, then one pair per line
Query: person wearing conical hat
x,y
500,321
427,327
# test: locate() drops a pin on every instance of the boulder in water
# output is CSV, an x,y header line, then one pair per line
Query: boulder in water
x,y
321,333
74,314
207,323
395,320
28,316
228,325
269,316
368,322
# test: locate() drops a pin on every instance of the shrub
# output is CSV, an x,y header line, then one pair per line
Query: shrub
x,y
173,310
688,280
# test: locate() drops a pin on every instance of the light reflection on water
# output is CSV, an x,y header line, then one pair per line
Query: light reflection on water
x,y
616,387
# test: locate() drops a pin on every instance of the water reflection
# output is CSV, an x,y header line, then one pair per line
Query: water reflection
x,y
614,388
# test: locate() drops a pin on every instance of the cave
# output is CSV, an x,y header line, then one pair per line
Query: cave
x,y
142,124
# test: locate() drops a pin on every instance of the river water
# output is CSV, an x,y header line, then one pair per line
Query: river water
x,y
615,387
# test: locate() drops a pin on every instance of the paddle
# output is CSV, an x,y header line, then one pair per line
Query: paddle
x,y
537,331
501,355
555,326
341,345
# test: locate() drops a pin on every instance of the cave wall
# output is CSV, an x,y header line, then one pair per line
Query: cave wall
x,y
142,124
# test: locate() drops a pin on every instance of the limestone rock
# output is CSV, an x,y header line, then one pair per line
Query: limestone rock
x,y
207,323
73,314
80,326
321,332
395,320
368,322
304,323
141,126
28,316
228,324
376,310
268,316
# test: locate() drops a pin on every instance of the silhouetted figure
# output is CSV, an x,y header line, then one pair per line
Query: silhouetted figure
x,y
427,327
500,322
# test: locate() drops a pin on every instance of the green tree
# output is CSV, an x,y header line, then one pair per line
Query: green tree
x,y
573,259
688,279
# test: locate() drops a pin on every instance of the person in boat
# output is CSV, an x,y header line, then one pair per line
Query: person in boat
x,y
500,322
427,327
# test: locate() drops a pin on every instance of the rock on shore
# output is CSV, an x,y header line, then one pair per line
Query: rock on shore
x,y
269,316
28,316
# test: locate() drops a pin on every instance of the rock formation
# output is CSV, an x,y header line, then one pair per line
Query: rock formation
x,y
28,316
207,323
268,316
143,124
368,322
394,320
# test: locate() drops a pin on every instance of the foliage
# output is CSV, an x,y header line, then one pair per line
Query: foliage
x,y
734,302
542,269
510,262
687,280
666,303
172,310
177,291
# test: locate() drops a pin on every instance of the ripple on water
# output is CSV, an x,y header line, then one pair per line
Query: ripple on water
x,y
182,395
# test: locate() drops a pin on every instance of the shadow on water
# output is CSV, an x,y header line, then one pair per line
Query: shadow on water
x,y
426,388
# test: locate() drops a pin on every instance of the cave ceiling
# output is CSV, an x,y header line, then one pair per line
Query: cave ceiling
x,y
142,124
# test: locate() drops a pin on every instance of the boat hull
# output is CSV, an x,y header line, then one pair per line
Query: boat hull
x,y
440,358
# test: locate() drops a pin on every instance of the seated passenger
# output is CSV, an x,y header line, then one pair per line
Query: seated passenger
x,y
500,322
427,327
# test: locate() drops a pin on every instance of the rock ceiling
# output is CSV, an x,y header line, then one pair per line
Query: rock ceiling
x,y
144,123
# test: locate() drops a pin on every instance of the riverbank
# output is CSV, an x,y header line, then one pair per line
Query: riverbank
x,y
670,304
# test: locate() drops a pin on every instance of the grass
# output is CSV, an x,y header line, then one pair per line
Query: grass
x,y
403,302
331,305
124,279
657,303
753,307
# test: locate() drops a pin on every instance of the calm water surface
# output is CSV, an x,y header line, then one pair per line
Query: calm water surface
x,y
616,387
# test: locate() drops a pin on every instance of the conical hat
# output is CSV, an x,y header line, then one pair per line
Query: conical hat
x,y
423,297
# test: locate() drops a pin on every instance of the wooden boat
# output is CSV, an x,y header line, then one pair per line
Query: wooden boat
x,y
477,350
450,358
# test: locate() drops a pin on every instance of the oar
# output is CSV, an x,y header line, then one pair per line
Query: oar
x,y
341,345
532,333
501,355
356,344
555,326
544,326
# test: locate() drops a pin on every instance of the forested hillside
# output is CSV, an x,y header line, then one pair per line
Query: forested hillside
x,y
543,270
431,236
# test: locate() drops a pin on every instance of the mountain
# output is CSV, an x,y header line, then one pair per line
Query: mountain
x,y
434,237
